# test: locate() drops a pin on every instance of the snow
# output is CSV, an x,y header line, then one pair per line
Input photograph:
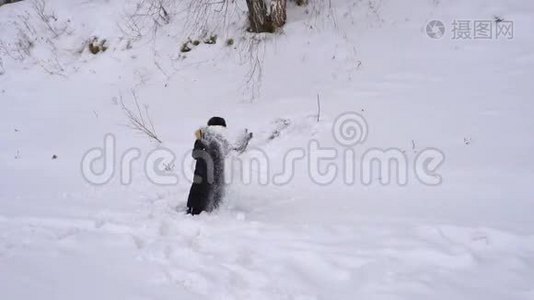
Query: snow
x,y
471,237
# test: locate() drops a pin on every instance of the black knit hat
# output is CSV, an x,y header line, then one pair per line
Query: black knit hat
x,y
217,121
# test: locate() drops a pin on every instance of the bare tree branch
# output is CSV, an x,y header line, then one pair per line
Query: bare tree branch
x,y
137,121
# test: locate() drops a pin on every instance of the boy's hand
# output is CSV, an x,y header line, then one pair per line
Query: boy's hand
x,y
199,134
248,135
243,143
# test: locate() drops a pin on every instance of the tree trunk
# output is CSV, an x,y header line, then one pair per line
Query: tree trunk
x,y
261,20
278,13
2,2
257,15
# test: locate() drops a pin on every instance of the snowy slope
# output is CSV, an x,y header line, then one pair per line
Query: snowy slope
x,y
471,237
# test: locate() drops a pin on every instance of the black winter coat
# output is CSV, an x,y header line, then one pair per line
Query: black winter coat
x,y
207,189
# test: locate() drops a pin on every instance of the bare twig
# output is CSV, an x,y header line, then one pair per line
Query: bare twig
x,y
20,48
147,17
253,54
39,6
139,121
36,29
321,14
206,16
318,108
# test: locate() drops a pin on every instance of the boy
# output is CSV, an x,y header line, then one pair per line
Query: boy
x,y
210,149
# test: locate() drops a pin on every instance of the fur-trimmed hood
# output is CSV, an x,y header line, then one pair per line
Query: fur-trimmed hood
x,y
218,134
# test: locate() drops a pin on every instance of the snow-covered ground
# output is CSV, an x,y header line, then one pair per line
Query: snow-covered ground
x,y
470,237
